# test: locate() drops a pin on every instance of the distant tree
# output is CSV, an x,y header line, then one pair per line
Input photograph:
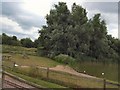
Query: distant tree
x,y
26,42
10,40
36,43
14,38
114,45
0,39
6,39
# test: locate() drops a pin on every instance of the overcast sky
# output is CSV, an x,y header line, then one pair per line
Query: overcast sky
x,y
23,19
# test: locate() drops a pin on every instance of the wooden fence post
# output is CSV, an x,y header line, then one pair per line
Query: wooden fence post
x,y
47,72
3,78
13,66
104,82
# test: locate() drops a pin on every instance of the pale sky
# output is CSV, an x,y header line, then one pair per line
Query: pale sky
x,y
24,18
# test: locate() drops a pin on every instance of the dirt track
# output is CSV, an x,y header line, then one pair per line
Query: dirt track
x,y
66,69
70,70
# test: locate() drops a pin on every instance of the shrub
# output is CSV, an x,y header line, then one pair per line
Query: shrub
x,y
62,58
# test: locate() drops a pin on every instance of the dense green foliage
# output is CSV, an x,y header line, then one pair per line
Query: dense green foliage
x,y
72,33
26,42
64,59
12,40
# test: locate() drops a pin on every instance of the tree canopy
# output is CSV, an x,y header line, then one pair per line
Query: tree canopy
x,y
10,40
72,33
13,40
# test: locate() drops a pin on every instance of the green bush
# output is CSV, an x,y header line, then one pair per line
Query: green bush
x,y
62,58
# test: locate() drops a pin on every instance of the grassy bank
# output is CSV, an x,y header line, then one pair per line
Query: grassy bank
x,y
37,81
96,69
18,50
61,78
30,61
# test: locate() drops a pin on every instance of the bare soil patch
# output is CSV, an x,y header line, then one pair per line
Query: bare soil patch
x,y
70,70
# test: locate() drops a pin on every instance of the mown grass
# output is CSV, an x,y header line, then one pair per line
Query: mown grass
x,y
30,61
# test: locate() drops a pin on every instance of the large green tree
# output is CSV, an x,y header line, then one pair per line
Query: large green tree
x,y
98,44
53,36
72,33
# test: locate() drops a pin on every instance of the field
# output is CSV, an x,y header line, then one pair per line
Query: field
x,y
94,69
18,50
56,77
36,81
31,61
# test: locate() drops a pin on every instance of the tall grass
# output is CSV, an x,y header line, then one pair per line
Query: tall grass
x,y
62,78
37,81
18,50
97,68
